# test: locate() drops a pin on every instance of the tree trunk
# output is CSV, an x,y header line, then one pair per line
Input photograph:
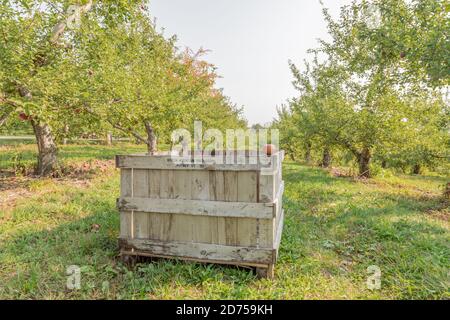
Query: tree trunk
x,y
66,132
326,158
308,153
447,191
290,152
151,138
364,158
417,169
47,151
109,138
4,117
293,157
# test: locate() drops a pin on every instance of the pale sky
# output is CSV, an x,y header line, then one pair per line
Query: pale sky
x,y
251,42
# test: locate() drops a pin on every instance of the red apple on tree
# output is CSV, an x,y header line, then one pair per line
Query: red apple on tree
x,y
23,116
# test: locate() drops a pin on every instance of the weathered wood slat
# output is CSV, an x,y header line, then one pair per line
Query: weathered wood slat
x,y
231,195
166,162
266,233
125,224
266,188
141,225
200,250
279,233
277,204
125,182
154,183
216,189
217,193
197,207
246,186
280,191
140,183
167,183
247,229
200,260
201,225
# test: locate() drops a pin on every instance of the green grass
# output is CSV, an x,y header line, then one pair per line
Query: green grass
x,y
25,154
335,228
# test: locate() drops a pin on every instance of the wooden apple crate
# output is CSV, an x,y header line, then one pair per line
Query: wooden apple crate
x,y
212,213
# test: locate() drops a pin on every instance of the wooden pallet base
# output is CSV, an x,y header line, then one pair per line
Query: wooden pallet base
x,y
262,270
267,272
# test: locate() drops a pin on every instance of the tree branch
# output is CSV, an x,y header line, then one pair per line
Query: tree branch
x,y
59,29
8,111
117,126
4,117
133,133
440,156
348,145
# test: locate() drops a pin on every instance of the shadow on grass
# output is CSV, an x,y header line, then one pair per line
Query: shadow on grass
x,y
367,225
428,178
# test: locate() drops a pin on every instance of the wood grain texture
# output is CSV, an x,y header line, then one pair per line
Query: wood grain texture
x,y
167,184
125,224
248,229
200,250
266,233
217,193
166,162
279,231
200,260
140,183
279,234
154,183
266,188
198,207
140,225
125,183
